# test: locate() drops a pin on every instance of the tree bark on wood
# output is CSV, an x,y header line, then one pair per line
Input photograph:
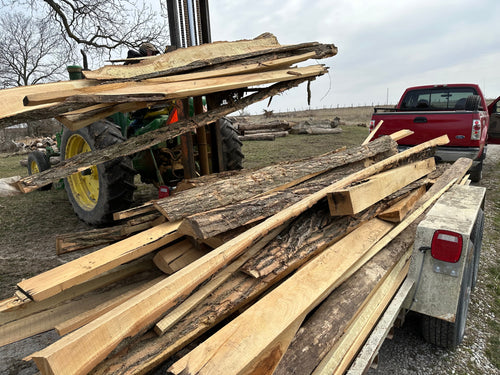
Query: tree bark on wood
x,y
74,241
83,161
211,223
257,137
246,186
253,127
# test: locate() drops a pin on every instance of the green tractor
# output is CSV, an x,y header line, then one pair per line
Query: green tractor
x,y
97,192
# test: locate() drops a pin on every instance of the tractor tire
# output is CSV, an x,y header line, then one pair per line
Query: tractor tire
x,y
38,162
101,190
231,146
447,334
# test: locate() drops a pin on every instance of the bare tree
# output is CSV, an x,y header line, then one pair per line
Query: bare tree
x,y
104,24
31,51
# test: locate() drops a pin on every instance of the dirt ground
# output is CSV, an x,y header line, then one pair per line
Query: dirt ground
x,y
29,224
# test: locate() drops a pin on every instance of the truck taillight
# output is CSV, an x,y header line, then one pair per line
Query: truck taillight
x,y
476,130
372,125
446,246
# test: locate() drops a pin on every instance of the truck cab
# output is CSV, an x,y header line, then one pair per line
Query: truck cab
x,y
458,110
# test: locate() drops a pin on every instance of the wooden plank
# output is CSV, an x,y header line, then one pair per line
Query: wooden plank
x,y
372,133
109,302
342,354
134,211
401,134
236,346
82,269
68,242
360,196
12,98
398,211
149,305
175,257
374,343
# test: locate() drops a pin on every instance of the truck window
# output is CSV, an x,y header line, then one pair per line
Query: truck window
x,y
437,99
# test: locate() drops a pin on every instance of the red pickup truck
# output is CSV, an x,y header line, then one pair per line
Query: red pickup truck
x,y
458,110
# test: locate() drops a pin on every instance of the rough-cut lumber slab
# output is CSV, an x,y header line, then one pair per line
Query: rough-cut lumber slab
x,y
134,211
82,269
177,256
254,127
374,343
50,97
184,59
21,308
85,160
248,185
87,115
343,353
211,223
12,99
372,133
109,302
68,242
360,196
397,212
236,347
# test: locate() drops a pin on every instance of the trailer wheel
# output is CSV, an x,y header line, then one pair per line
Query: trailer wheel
x,y
472,103
447,334
101,190
231,146
38,162
476,173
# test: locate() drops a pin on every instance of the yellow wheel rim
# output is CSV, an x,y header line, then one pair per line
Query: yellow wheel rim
x,y
34,167
84,185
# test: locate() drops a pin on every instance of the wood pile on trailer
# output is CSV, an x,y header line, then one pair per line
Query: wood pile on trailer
x,y
296,279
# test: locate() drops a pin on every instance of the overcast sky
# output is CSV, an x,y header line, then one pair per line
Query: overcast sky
x,y
383,45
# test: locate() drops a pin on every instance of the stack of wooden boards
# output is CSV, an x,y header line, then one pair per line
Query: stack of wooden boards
x,y
221,67
287,240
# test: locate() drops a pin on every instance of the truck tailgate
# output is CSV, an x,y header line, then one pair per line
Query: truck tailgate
x,y
426,126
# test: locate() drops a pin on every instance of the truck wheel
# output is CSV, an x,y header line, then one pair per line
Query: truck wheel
x,y
472,103
38,162
476,173
101,190
447,334
231,146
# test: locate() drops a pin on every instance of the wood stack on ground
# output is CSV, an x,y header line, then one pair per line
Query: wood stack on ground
x,y
265,131
304,254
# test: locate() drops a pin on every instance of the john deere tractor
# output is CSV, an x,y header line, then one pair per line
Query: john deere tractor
x,y
101,190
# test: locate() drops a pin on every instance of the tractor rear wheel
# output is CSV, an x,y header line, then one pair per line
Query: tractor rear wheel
x,y
101,190
231,146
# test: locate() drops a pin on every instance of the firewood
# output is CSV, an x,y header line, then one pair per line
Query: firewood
x,y
257,137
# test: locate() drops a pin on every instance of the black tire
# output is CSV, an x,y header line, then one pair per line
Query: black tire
x,y
115,179
41,162
447,334
231,146
476,173
472,103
